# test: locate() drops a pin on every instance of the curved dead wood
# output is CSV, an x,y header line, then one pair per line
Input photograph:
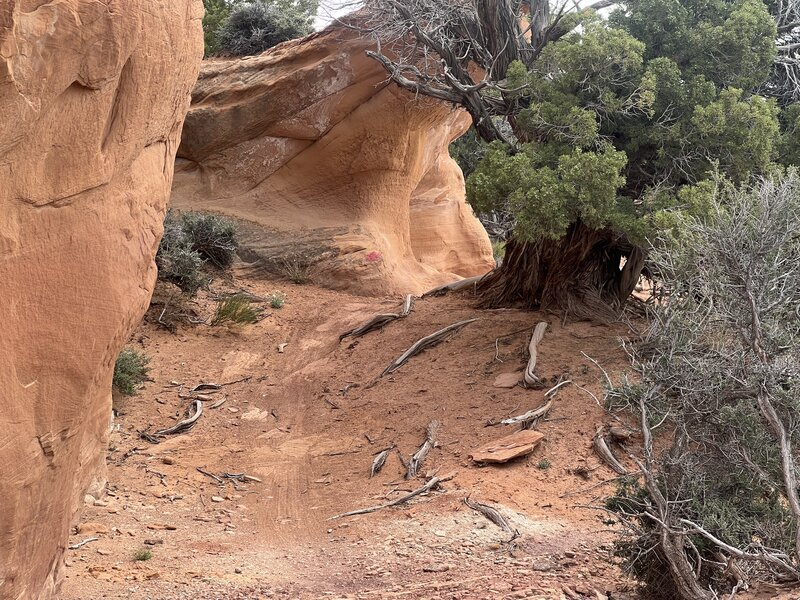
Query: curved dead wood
x,y
431,433
426,342
432,483
604,452
186,424
529,377
529,418
454,286
379,461
380,320
490,513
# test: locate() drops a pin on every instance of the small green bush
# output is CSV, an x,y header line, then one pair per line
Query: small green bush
x,y
188,241
277,299
297,269
212,237
543,464
130,370
143,554
236,309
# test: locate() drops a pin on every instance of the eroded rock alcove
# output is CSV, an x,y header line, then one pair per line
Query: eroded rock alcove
x,y
92,97
310,145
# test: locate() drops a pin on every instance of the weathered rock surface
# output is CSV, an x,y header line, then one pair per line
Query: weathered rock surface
x,y
92,98
311,145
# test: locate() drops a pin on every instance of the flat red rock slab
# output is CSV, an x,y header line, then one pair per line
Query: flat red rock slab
x,y
506,448
507,380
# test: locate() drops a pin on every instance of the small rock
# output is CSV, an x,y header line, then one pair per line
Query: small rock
x,y
90,528
100,503
237,570
439,534
433,568
217,499
168,460
542,566
153,542
88,499
507,380
102,552
569,554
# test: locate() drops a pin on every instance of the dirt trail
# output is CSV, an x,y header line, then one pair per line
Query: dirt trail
x,y
297,424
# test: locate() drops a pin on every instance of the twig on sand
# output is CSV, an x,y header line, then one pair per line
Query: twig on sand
x,y
529,377
490,513
432,483
602,449
426,342
380,320
597,364
418,457
83,543
186,424
379,461
214,477
454,286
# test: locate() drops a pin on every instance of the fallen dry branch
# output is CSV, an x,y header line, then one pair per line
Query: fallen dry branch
x,y
206,386
603,450
207,474
186,424
432,483
83,543
529,418
490,513
414,464
454,286
379,461
380,320
426,342
529,377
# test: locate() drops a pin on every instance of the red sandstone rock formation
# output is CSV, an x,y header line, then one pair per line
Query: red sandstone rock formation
x,y
310,144
92,97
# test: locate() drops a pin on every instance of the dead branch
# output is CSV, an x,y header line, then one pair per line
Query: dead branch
x,y
454,286
529,419
207,474
432,483
83,543
529,377
380,320
426,342
186,424
206,386
416,460
602,449
490,513
379,461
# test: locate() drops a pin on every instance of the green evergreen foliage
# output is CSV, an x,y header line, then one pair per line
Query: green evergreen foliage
x,y
130,369
252,27
621,121
216,13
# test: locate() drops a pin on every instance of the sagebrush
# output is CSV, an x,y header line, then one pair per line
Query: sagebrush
x,y
130,370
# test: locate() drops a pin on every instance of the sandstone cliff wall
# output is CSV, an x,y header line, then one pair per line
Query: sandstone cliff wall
x,y
92,97
310,144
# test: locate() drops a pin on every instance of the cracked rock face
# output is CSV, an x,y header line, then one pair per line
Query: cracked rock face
x,y
318,155
92,98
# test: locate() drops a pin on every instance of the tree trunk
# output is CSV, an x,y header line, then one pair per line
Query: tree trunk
x,y
580,274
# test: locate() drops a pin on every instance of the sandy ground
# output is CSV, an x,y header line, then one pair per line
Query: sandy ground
x,y
305,424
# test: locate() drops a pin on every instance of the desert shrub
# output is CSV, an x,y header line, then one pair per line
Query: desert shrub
x,y
177,262
253,27
277,299
212,237
296,269
143,554
130,369
189,239
236,309
719,369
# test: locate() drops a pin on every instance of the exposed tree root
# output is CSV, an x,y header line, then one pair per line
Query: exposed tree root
x,y
529,376
380,320
490,513
419,456
426,342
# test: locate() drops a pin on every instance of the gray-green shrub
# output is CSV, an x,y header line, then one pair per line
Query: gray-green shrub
x,y
253,27
130,369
